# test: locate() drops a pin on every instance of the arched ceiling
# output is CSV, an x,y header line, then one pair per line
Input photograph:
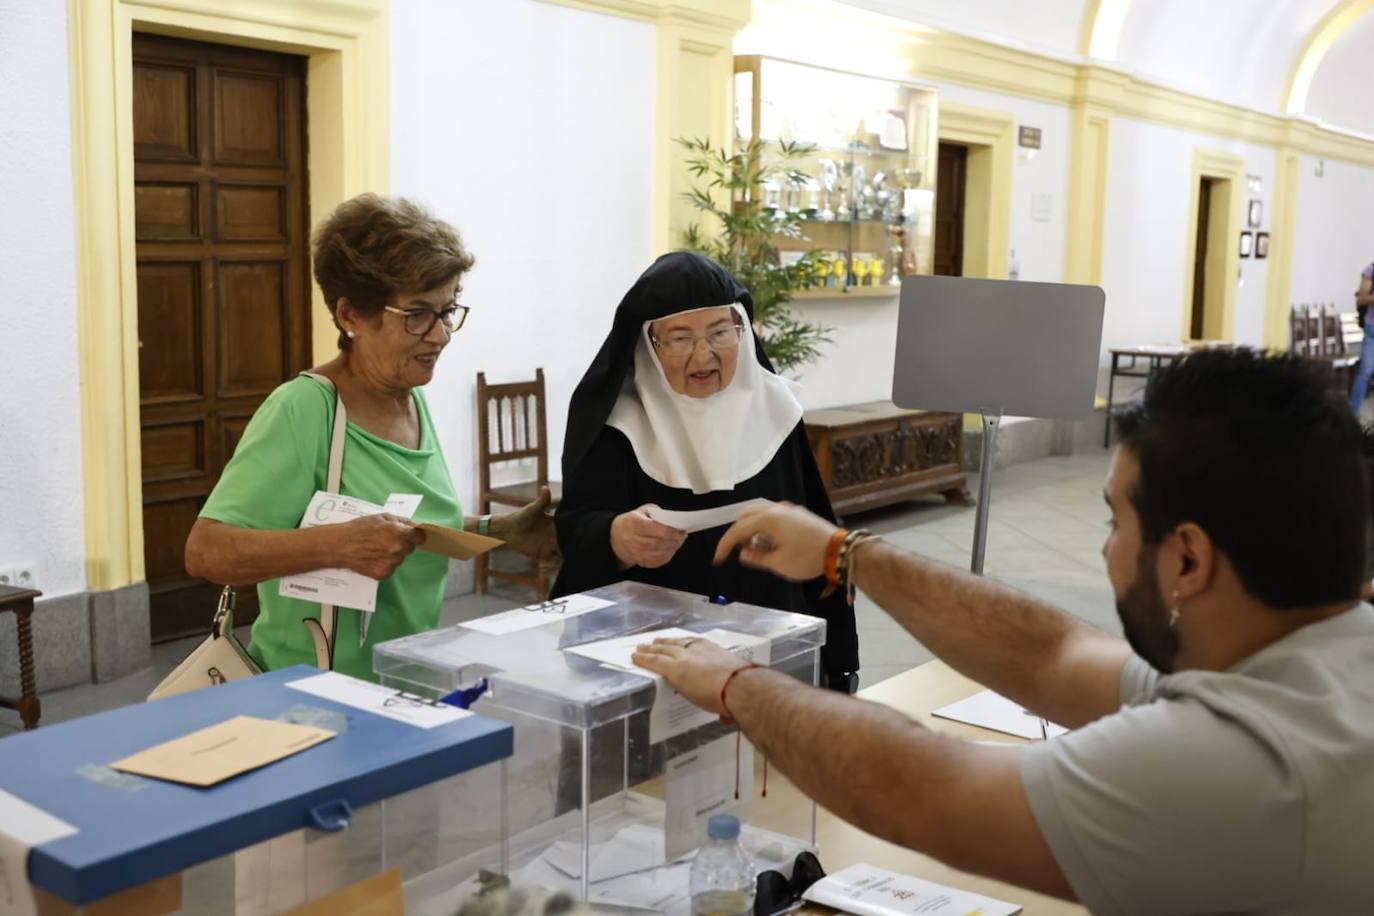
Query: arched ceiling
x,y
1239,51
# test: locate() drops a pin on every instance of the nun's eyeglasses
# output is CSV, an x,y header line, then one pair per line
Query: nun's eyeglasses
x,y
684,344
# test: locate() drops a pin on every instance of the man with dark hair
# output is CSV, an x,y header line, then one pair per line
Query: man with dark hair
x,y
1222,758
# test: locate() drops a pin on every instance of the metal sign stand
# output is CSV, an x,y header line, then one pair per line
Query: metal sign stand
x,y
992,421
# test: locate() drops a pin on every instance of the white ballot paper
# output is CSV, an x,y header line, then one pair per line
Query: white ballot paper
x,y
343,587
994,711
869,891
702,519
536,615
634,848
672,714
22,827
701,783
379,700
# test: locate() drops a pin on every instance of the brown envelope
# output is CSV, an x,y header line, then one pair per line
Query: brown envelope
x,y
212,755
451,542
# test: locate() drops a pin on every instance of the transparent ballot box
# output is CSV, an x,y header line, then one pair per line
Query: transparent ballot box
x,y
614,775
302,828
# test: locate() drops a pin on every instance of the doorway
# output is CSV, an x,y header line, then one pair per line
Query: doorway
x,y
951,184
1197,329
223,282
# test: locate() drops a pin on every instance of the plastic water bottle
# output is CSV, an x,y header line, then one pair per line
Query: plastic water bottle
x,y
722,878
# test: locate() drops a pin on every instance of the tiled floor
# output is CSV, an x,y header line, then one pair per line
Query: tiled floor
x,y
1046,531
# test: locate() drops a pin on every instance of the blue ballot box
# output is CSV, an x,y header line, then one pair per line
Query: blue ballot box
x,y
131,830
614,775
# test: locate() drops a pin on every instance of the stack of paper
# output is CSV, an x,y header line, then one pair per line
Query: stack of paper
x,y
992,710
868,891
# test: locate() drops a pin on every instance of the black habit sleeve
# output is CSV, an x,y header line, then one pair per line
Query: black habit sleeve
x,y
592,498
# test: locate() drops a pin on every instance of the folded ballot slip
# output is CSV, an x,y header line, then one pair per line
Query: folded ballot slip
x,y
452,542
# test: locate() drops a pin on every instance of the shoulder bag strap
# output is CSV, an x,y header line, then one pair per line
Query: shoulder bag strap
x,y
322,630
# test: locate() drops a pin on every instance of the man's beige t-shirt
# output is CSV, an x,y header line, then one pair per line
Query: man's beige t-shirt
x,y
1249,790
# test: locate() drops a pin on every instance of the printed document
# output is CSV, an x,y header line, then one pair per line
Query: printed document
x,y
378,700
536,615
701,783
992,710
868,891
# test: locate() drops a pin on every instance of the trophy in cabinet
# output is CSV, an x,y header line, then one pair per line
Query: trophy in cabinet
x,y
897,232
830,174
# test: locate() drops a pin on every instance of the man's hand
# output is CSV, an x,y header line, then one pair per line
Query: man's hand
x,y
529,530
783,539
695,667
638,540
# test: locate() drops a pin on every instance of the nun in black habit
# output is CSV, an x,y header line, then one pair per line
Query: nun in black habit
x,y
682,409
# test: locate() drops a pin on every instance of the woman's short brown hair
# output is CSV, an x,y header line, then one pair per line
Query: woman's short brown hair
x,y
373,247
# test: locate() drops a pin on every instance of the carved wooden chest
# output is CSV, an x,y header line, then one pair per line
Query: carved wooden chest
x,y
876,454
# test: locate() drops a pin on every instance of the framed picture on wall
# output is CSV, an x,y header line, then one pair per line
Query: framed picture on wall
x,y
1261,244
1247,243
1256,215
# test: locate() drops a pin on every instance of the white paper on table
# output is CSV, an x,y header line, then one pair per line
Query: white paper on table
x,y
703,519
633,848
987,709
343,587
22,827
379,700
701,783
868,891
656,891
672,714
536,615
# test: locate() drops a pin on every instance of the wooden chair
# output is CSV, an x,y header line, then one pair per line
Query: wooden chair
x,y
511,427
1318,336
19,601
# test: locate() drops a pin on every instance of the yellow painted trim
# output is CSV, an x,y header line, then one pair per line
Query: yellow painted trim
x,y
1223,241
1100,93
987,196
1100,31
723,15
1314,50
347,78
1282,219
889,47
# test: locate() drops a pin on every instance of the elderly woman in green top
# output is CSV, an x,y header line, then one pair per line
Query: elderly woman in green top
x,y
390,274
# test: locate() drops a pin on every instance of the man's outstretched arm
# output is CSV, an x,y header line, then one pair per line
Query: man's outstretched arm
x,y
1048,661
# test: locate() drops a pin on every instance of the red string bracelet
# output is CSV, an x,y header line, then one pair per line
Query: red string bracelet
x,y
739,733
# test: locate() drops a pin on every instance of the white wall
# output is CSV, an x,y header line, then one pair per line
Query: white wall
x,y
1149,183
529,127
1338,94
41,518
1334,237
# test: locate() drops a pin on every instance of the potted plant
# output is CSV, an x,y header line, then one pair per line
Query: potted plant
x,y
729,192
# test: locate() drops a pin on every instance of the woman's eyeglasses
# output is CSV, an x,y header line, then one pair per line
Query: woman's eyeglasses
x,y
681,344
421,321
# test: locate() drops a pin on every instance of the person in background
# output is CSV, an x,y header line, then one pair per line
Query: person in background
x,y
1222,757
1364,298
681,409
391,274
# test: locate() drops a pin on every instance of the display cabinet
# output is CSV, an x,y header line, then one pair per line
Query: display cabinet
x,y
868,198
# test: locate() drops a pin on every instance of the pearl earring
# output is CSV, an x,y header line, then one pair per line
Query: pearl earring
x,y
351,335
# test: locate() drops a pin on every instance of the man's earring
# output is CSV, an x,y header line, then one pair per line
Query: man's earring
x,y
1173,612
351,335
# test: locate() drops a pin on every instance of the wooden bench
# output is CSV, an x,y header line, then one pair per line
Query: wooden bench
x,y
877,454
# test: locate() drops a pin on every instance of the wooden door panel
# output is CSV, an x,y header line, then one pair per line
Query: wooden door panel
x,y
170,330
167,211
250,213
174,450
249,113
164,112
223,281
252,327
950,182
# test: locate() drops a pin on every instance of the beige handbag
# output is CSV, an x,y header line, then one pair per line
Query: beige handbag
x,y
221,658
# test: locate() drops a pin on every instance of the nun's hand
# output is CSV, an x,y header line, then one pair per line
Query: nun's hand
x,y
638,540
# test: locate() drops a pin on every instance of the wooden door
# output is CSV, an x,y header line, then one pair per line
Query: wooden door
x,y
223,282
1204,213
950,180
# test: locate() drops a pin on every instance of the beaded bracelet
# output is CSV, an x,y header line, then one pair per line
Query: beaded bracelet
x,y
844,562
832,561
